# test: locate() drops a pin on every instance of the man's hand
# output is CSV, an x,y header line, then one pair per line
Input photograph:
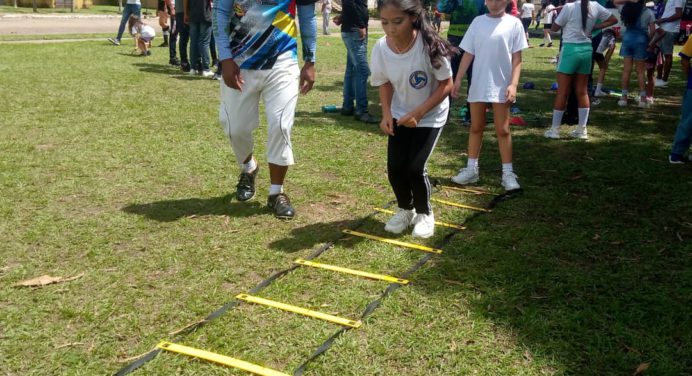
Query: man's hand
x,y
307,77
363,33
387,125
231,74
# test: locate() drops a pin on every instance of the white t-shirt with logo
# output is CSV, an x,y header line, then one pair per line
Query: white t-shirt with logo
x,y
548,14
527,10
413,77
669,10
570,21
492,41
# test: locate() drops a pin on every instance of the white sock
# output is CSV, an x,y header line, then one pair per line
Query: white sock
x,y
599,87
165,32
557,118
550,40
250,166
507,168
473,164
583,117
275,189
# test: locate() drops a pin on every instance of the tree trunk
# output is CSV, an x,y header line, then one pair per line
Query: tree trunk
x,y
15,3
33,3
120,6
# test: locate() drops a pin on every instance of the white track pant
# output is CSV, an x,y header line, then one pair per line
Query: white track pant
x,y
239,112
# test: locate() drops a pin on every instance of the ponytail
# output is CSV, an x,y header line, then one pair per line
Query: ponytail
x,y
584,13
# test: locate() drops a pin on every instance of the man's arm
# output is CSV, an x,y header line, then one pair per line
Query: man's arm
x,y
308,37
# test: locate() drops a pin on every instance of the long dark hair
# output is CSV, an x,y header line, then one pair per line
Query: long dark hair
x,y
584,13
436,47
134,21
631,12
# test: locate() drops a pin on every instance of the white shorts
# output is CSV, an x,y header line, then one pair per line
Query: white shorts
x,y
239,111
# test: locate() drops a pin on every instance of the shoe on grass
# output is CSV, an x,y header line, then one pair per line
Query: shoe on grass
x,y
114,41
281,206
367,118
660,83
466,176
677,159
553,133
509,181
174,61
245,189
579,133
347,111
400,221
423,225
599,93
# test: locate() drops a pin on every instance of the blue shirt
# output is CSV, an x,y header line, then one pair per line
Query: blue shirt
x,y
254,33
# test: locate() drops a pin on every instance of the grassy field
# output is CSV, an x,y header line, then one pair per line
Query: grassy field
x,y
115,166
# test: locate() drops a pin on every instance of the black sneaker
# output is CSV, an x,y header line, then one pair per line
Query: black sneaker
x,y
174,61
164,44
281,206
245,189
347,111
148,53
367,118
185,67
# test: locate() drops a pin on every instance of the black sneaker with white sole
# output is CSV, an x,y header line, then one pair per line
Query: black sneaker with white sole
x,y
245,189
281,206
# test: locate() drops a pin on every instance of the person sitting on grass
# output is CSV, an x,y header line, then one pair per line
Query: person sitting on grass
x,y
683,134
142,33
493,44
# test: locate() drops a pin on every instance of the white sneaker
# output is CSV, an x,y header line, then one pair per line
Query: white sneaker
x,y
580,133
466,176
400,221
622,102
600,93
553,133
509,181
423,225
660,83
207,74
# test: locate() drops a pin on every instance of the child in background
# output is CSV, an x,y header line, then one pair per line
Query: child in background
x,y
549,14
578,20
142,33
654,59
605,48
639,23
411,68
493,43
683,135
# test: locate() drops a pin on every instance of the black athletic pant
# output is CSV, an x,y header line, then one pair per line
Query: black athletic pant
x,y
407,154
173,38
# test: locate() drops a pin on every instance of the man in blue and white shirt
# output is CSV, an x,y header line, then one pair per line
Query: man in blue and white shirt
x,y
257,47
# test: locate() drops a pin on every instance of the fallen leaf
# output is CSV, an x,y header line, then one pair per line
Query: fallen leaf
x,y
46,280
453,282
596,237
576,177
640,370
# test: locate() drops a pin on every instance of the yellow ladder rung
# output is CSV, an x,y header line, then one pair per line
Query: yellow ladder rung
x,y
444,224
218,358
478,192
460,205
379,277
300,311
395,242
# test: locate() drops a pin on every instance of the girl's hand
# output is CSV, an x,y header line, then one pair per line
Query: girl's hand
x,y
387,125
511,94
409,120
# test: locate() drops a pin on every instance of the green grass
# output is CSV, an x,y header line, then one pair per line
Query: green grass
x,y
94,9
120,170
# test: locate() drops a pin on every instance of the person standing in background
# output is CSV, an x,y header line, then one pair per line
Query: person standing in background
x,y
670,23
198,17
132,7
354,32
326,10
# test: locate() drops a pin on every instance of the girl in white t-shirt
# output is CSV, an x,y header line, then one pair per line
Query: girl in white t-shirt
x,y
143,34
493,43
411,68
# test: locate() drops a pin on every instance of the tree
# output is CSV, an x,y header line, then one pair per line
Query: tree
x,y
33,3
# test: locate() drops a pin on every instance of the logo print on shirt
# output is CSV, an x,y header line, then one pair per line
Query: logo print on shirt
x,y
418,79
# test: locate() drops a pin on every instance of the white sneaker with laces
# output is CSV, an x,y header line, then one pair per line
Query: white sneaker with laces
x,y
553,133
660,83
466,176
423,225
580,133
509,181
207,74
600,93
400,221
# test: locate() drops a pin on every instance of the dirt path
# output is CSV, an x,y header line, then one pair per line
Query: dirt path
x,y
57,24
